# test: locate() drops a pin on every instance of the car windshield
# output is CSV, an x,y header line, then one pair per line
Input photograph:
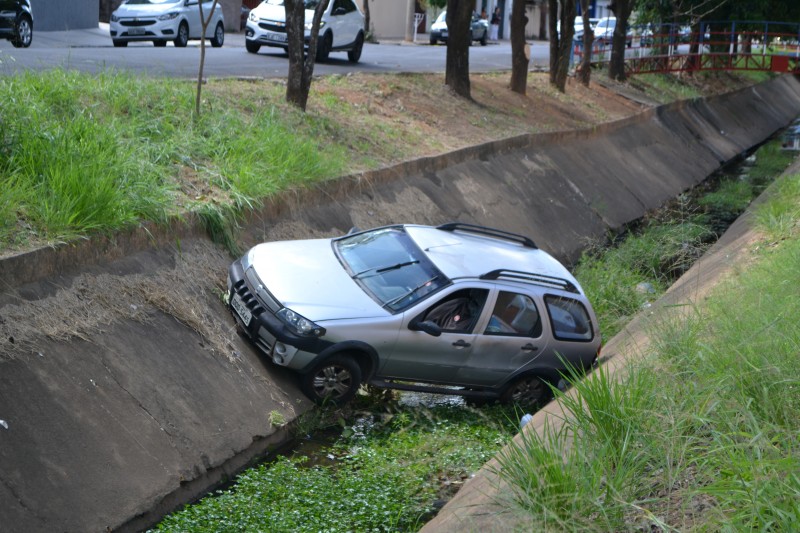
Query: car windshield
x,y
390,267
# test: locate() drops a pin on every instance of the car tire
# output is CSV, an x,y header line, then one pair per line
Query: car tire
x,y
433,40
334,381
484,39
161,43
120,44
182,39
324,48
23,33
354,54
252,46
527,391
219,36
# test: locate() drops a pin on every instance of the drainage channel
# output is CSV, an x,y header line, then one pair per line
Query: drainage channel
x,y
358,486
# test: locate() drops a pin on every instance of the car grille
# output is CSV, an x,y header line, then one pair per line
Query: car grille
x,y
272,26
255,296
134,23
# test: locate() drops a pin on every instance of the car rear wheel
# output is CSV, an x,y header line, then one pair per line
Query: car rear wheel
x,y
336,381
219,36
324,47
433,40
252,46
527,391
182,39
161,43
355,54
23,33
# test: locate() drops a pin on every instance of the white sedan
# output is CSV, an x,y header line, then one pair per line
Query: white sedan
x,y
160,21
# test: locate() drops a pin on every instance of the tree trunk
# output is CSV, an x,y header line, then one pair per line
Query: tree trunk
x,y
543,20
561,45
616,66
459,17
520,57
367,23
584,71
301,64
204,21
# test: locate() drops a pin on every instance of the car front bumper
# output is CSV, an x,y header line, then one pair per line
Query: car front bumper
x,y
254,310
148,30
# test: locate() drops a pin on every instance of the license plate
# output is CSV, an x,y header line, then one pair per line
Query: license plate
x,y
136,31
277,37
241,309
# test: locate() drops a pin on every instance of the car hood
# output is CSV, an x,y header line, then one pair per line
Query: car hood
x,y
307,277
138,10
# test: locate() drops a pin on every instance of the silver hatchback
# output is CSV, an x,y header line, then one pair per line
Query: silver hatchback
x,y
454,309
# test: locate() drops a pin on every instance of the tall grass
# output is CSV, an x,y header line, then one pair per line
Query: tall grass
x,y
82,154
700,434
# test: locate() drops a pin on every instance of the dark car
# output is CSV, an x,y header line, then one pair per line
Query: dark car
x,y
16,22
479,29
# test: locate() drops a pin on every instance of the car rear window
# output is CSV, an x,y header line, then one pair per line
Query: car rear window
x,y
569,318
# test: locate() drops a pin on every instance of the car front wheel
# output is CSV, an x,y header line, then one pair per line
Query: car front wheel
x,y
527,391
23,33
219,36
335,381
182,39
252,46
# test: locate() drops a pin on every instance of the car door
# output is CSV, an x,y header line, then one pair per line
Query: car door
x,y
342,21
8,14
512,338
191,11
419,356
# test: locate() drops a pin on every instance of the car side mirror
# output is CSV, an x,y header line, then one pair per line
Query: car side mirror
x,y
431,328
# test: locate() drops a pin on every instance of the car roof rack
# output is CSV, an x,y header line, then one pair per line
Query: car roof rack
x,y
489,232
530,277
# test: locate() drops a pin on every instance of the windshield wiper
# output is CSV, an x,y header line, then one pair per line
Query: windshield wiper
x,y
374,271
411,292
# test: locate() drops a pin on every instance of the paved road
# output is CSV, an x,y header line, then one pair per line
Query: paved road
x,y
91,51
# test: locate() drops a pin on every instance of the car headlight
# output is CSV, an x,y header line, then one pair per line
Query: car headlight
x,y
168,16
252,17
309,25
114,17
301,325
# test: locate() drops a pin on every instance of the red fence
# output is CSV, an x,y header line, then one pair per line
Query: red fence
x,y
703,50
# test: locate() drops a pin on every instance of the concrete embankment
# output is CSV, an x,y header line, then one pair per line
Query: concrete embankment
x,y
124,390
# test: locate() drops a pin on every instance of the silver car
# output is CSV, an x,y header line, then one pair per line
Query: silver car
x,y
454,309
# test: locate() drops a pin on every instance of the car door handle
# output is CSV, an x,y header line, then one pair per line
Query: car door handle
x,y
529,348
461,344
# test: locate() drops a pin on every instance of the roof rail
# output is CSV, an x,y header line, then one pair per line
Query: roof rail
x,y
489,232
530,277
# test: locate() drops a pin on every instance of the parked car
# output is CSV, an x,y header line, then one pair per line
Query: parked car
x,y
16,22
454,309
160,21
479,29
341,28
604,32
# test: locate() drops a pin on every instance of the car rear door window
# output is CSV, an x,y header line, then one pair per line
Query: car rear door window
x,y
569,318
514,314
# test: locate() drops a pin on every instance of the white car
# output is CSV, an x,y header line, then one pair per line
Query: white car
x,y
341,28
160,21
